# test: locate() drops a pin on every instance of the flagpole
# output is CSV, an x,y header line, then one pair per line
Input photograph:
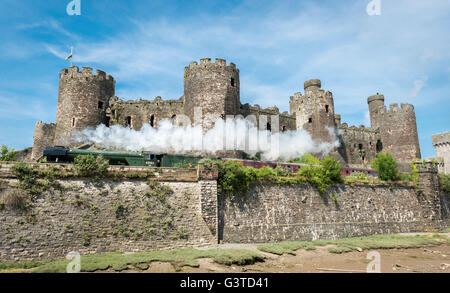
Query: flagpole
x,y
71,53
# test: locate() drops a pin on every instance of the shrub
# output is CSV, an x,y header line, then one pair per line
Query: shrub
x,y
235,178
91,166
444,182
208,163
386,166
306,159
414,172
322,177
15,198
26,175
7,154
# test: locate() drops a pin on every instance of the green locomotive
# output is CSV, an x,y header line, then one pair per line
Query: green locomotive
x,y
143,158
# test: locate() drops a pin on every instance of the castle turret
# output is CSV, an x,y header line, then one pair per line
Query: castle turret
x,y
82,101
398,129
314,111
212,86
376,106
44,135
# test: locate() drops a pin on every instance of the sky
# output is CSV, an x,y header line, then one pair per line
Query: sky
x,y
403,53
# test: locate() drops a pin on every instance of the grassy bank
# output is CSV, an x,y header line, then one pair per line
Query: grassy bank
x,y
357,244
119,261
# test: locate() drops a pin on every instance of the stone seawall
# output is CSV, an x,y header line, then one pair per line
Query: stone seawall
x,y
116,216
275,213
176,208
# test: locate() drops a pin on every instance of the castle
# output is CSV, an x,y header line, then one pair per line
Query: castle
x,y
87,100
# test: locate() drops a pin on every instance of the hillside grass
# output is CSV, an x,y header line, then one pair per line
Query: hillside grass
x,y
119,261
389,241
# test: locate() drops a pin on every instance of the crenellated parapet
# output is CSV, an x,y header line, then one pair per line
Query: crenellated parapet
x,y
207,65
86,72
441,139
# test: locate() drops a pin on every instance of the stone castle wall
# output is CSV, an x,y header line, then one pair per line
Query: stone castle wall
x,y
359,144
135,114
129,215
279,213
125,215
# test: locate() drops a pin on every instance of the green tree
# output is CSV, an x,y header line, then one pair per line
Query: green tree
x,y
7,154
386,166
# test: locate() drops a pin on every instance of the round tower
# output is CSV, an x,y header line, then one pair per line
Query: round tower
x,y
314,111
82,101
43,137
376,107
212,86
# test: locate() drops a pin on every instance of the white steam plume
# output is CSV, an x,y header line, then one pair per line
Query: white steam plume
x,y
232,134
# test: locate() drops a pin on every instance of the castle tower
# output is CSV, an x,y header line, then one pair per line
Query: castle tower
x,y
212,86
398,129
82,101
441,143
44,135
314,111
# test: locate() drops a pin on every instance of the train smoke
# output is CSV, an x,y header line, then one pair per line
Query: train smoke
x,y
229,135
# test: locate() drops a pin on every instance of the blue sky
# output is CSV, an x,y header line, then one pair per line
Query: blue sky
x,y
404,53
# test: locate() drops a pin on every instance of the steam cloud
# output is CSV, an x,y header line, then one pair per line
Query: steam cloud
x,y
232,134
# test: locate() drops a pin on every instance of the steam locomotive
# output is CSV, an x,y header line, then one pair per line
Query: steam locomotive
x,y
61,154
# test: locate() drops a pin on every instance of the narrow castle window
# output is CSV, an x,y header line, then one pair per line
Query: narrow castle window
x,y
73,122
379,146
360,146
269,127
152,120
100,104
232,82
326,108
128,122
310,120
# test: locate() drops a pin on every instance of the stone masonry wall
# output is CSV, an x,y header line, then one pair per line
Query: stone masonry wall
x,y
115,216
276,213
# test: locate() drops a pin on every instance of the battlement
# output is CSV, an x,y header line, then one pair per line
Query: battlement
x,y
441,138
405,108
86,72
296,96
206,63
360,128
139,101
